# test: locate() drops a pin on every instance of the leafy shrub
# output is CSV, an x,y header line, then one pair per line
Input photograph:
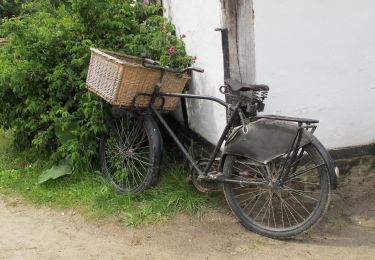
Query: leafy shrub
x,y
126,27
9,8
44,66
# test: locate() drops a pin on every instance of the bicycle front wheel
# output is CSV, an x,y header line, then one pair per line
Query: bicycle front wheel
x,y
130,153
280,211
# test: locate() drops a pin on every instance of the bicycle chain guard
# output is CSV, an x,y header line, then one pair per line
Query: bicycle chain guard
x,y
204,186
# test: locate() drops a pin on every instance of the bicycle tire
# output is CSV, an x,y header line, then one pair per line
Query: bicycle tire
x,y
274,227
130,152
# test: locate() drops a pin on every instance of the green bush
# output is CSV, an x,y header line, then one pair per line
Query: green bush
x,y
9,8
43,69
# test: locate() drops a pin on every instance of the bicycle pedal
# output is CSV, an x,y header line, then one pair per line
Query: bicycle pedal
x,y
214,176
204,183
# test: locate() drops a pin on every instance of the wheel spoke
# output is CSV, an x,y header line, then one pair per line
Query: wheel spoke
x,y
303,195
305,182
250,199
287,206
140,157
286,213
299,160
308,212
261,209
256,202
257,170
282,213
139,160
304,171
273,213
128,154
300,191
137,171
135,134
246,193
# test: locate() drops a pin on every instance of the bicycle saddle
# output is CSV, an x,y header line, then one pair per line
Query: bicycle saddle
x,y
238,86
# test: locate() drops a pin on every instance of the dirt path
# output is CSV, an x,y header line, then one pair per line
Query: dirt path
x,y
348,232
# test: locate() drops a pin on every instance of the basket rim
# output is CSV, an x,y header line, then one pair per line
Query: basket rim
x,y
105,54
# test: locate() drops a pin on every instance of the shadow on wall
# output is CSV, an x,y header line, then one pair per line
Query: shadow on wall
x,y
205,116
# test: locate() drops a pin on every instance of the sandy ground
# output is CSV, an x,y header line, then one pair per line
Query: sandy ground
x,y
347,231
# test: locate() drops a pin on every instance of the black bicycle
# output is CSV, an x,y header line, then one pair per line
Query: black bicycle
x,y
277,177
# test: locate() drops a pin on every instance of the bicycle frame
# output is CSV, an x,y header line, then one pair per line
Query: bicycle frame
x,y
235,110
292,154
293,151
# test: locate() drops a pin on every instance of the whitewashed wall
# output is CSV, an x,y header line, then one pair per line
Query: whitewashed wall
x,y
318,56
197,19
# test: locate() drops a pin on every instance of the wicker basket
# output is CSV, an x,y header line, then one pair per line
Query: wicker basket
x,y
117,78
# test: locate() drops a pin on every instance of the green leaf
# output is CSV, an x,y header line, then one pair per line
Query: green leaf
x,y
55,172
66,135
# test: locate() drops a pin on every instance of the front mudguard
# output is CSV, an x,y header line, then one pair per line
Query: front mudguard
x,y
268,139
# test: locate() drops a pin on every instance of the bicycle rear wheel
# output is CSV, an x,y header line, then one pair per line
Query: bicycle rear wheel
x,y
130,153
280,211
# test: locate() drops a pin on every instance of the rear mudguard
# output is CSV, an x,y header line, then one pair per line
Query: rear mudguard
x,y
267,139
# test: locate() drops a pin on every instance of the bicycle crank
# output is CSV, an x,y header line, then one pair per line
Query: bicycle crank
x,y
204,185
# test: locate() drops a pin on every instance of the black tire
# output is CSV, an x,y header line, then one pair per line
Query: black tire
x,y
130,153
276,211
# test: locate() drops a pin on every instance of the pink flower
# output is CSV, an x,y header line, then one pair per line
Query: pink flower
x,y
171,49
194,58
183,36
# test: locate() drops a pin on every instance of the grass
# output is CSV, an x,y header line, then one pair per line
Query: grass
x,y
88,193
257,243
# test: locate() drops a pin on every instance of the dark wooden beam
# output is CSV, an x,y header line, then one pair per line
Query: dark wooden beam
x,y
238,18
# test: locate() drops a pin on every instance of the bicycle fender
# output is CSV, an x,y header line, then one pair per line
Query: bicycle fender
x,y
265,140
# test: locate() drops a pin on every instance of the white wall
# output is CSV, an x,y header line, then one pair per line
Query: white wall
x,y
318,56
197,19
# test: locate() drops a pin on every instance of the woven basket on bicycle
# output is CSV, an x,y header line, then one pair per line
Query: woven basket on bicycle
x,y
117,78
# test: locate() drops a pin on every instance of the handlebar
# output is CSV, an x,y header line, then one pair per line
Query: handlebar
x,y
149,63
193,69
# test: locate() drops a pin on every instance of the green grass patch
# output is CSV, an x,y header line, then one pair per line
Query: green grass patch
x,y
88,192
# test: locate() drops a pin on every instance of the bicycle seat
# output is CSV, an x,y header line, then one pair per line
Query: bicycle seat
x,y
238,86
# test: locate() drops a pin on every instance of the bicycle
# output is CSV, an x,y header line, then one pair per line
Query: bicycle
x,y
277,177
